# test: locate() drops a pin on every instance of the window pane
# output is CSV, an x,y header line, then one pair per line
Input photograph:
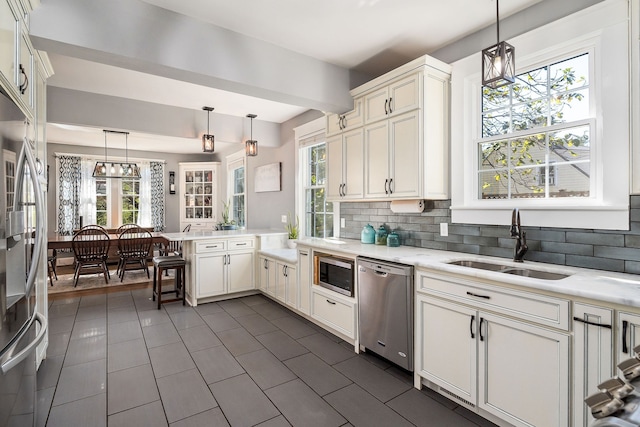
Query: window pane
x,y
495,98
530,115
570,74
493,155
571,181
570,144
570,106
528,150
530,85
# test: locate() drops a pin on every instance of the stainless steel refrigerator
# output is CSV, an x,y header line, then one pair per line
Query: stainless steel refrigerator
x,y
22,238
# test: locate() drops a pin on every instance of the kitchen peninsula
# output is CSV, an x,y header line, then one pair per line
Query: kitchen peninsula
x,y
223,262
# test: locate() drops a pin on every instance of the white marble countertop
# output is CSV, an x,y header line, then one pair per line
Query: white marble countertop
x,y
214,234
618,288
283,254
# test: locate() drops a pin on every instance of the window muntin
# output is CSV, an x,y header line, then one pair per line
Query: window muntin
x,y
319,214
541,119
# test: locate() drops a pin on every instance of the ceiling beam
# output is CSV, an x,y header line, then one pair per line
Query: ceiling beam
x,y
136,35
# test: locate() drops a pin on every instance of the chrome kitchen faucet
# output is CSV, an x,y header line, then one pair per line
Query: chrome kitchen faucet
x,y
520,236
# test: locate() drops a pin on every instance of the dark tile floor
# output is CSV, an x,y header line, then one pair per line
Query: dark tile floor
x,y
116,360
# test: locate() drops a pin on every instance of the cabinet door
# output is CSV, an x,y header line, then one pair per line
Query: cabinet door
x,y
376,105
404,94
333,124
592,356
353,164
263,273
304,280
405,155
210,275
376,168
198,202
8,28
334,167
240,271
291,284
523,373
281,279
25,70
628,335
353,118
446,345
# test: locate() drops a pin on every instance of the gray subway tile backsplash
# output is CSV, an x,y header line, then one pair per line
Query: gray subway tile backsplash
x,y
601,249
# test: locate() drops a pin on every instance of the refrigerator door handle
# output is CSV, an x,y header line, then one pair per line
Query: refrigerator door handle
x,y
26,153
18,358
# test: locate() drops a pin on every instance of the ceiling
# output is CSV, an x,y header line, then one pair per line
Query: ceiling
x,y
369,36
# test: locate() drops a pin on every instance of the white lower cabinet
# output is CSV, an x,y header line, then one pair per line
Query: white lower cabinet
x,y
592,356
333,310
628,335
267,275
287,288
223,266
304,280
513,369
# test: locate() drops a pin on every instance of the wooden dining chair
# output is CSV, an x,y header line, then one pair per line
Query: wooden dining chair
x,y
134,247
90,248
125,227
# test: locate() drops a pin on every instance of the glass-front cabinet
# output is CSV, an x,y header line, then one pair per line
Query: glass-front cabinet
x,y
198,195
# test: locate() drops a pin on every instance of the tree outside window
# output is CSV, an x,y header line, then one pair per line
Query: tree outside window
x,y
535,129
102,216
318,211
238,196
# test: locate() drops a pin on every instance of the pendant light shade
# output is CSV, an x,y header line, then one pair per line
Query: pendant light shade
x,y
498,61
251,146
115,169
208,139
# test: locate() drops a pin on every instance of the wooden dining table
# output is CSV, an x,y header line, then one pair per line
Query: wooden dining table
x,y
58,241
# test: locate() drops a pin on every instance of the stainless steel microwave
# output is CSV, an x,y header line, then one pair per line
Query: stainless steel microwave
x,y
336,274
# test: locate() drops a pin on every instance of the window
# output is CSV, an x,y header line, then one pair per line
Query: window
x,y
236,187
556,144
535,127
9,177
126,209
102,202
318,212
129,201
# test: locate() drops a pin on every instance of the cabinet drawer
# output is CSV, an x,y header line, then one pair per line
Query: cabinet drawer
x,y
334,313
546,310
240,244
211,246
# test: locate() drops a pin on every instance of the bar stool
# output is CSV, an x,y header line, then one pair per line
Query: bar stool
x,y
161,263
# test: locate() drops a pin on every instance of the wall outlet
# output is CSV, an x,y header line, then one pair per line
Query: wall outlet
x,y
444,229
283,219
343,223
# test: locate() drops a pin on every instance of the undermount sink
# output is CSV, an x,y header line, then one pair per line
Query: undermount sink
x,y
500,268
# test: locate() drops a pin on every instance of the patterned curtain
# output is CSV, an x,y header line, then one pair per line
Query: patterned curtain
x,y
69,182
157,195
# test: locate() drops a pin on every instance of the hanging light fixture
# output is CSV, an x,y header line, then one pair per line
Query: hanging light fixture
x,y
251,145
498,61
111,169
208,139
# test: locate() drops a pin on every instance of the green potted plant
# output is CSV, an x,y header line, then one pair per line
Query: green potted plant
x,y
227,223
293,231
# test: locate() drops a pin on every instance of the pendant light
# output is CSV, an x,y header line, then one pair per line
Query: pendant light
x,y
251,146
207,138
111,169
498,61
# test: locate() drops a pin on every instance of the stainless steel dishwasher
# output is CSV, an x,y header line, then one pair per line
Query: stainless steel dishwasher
x,y
385,308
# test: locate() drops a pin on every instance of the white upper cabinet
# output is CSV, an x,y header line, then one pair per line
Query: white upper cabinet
x,y
337,123
400,96
345,174
405,116
8,43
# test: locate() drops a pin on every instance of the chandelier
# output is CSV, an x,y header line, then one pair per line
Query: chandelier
x,y
116,169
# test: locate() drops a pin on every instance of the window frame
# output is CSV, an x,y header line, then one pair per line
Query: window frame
x,y
602,32
235,161
308,134
305,152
